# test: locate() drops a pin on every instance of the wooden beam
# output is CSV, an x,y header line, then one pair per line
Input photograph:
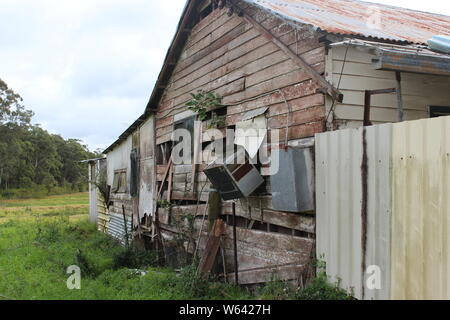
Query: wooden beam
x,y
212,247
316,76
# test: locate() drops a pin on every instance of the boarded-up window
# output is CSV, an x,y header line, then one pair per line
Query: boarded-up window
x,y
120,182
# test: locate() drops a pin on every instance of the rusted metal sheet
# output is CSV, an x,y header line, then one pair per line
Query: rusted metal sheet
x,y
352,17
349,248
421,209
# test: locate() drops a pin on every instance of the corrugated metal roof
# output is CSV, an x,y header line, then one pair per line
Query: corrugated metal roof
x,y
352,17
379,46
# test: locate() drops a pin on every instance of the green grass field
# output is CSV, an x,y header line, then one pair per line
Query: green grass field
x,y
41,238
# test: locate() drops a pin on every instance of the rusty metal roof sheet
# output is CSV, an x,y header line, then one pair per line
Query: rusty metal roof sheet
x,y
352,17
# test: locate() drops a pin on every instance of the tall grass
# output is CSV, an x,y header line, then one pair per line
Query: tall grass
x,y
34,257
40,239
38,192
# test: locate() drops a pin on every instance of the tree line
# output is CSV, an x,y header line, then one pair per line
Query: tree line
x,y
32,157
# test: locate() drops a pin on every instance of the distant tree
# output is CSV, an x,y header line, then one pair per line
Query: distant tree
x,y
12,111
30,155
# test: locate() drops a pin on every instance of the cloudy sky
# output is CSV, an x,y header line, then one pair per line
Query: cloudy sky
x,y
87,67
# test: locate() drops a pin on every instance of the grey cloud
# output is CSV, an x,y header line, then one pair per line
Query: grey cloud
x,y
86,68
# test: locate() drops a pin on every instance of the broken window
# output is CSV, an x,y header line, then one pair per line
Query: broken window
x,y
120,181
163,152
439,111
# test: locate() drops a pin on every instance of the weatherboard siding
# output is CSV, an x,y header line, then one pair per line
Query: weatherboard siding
x,y
419,91
228,56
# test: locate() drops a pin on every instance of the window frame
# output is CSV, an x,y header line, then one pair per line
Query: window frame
x,y
438,111
120,185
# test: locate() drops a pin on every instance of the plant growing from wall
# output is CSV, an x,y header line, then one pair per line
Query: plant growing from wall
x,y
203,102
216,121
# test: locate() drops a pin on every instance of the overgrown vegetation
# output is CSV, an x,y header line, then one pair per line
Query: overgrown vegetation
x,y
34,162
319,288
36,248
204,102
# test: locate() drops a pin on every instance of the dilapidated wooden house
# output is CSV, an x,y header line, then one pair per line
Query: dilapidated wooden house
x,y
293,68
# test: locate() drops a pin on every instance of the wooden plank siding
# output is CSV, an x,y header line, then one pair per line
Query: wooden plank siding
x,y
419,91
227,55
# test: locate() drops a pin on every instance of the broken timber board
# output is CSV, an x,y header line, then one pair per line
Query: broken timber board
x,y
212,247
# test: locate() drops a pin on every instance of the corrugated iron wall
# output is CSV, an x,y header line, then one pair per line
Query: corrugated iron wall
x,y
339,191
408,212
116,227
421,211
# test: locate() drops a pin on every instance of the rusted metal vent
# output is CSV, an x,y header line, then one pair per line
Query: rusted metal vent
x,y
293,183
236,178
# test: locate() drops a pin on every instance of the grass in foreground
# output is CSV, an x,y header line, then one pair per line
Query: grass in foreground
x,y
40,239
34,258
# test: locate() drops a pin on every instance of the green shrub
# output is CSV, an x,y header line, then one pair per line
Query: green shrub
x,y
277,289
134,258
321,289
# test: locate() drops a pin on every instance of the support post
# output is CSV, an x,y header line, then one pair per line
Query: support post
x,y
401,115
236,266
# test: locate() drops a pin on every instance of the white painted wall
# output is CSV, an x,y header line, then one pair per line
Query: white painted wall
x,y
119,158
419,90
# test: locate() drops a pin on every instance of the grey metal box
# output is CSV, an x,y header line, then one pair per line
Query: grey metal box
x,y
233,179
293,184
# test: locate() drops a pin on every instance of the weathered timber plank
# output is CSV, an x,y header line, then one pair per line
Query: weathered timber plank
x,y
295,91
312,114
258,249
297,59
219,68
250,40
294,77
299,131
224,91
164,138
269,54
164,130
212,80
214,46
164,122
297,104
213,21
226,26
300,222
212,247
263,275
228,52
